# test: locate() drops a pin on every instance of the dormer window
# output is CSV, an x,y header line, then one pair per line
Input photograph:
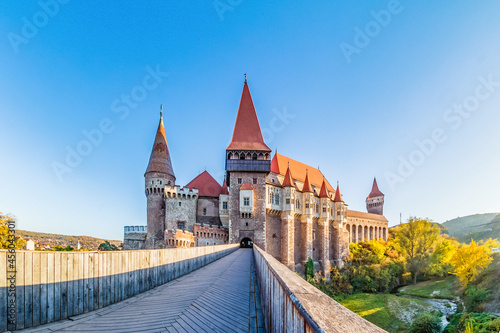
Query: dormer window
x,y
246,201
224,205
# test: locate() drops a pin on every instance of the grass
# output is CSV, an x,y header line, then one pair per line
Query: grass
x,y
387,311
447,288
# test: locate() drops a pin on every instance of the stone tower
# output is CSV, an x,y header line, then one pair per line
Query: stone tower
x,y
158,174
375,200
247,165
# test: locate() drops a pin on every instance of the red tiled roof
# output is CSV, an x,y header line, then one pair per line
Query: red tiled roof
x,y
375,191
338,196
246,186
206,184
280,163
224,188
247,134
354,213
159,161
307,187
288,181
324,192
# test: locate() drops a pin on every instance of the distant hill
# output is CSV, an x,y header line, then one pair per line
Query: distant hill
x,y
477,227
42,239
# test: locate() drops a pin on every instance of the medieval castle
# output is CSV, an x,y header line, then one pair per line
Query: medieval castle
x,y
285,207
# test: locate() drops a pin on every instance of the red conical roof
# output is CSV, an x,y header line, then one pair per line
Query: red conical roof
x,y
323,193
375,191
247,134
159,161
224,189
338,196
206,184
288,181
307,187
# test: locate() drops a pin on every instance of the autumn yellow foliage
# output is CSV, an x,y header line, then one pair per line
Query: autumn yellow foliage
x,y
469,262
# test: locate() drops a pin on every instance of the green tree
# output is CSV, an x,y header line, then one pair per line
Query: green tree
x,y
440,260
6,236
416,240
426,323
469,261
107,246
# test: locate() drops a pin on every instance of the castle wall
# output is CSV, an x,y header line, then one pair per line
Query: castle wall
x,y
254,227
208,210
207,235
180,206
134,237
273,235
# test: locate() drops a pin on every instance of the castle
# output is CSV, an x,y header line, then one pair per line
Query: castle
x,y
285,207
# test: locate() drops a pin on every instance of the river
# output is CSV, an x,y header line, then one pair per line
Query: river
x,y
445,306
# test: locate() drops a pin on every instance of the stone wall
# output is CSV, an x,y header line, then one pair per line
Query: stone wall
x,y
273,235
210,235
181,208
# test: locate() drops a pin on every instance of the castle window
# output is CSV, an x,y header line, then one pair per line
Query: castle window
x,y
307,205
255,180
169,182
242,156
224,205
239,181
277,199
180,204
254,156
324,209
204,211
317,208
246,201
180,225
160,182
152,182
287,201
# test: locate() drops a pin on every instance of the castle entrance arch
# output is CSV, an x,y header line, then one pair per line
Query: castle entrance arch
x,y
246,243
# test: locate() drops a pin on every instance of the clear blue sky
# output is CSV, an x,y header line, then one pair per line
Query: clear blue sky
x,y
360,101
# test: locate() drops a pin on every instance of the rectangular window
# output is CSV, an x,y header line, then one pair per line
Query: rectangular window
x,y
324,209
239,181
307,205
180,225
287,201
255,180
180,203
204,211
246,201
224,205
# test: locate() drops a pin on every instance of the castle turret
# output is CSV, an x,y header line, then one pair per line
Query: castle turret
x,y
158,175
375,200
247,162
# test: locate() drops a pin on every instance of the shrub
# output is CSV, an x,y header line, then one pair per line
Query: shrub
x,y
474,298
426,323
309,267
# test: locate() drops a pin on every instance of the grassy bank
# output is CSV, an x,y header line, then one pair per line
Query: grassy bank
x,y
387,311
448,288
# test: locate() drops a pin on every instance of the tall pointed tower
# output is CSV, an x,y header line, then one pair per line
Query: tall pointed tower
x,y
375,200
158,175
247,164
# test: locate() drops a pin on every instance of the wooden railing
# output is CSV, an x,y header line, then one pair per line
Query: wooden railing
x,y
51,286
291,304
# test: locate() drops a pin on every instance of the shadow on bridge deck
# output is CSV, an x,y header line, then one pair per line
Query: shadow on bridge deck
x,y
220,297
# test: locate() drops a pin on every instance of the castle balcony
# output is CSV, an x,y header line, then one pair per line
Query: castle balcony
x,y
248,165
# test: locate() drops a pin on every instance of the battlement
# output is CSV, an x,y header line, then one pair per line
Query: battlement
x,y
179,238
178,192
210,235
135,229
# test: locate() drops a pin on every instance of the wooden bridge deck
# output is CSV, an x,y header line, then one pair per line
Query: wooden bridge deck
x,y
220,297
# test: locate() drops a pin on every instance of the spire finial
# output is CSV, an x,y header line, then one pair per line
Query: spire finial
x,y
337,183
161,110
245,77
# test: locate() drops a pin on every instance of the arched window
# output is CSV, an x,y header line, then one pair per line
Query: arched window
x,y
254,156
229,156
242,156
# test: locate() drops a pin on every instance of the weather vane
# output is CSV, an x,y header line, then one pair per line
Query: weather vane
x,y
245,77
161,110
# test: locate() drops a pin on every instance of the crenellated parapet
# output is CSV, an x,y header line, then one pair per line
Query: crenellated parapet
x,y
179,238
180,193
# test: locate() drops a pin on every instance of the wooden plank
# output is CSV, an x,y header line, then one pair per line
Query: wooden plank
x,y
36,288
80,281
71,276
28,289
102,286
108,279
3,291
85,282
90,282
20,273
64,285
57,286
43,287
96,281
50,286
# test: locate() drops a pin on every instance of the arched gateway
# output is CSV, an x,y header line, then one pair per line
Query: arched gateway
x,y
246,243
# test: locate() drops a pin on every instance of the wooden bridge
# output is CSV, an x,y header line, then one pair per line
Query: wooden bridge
x,y
213,289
